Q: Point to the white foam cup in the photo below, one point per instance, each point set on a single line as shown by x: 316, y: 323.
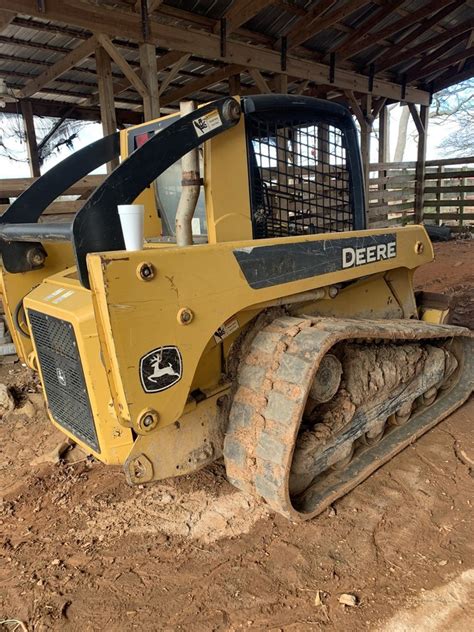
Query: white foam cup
x: 131, y: 219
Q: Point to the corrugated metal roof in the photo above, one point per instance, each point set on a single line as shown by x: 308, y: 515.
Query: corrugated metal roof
x: 29, y: 45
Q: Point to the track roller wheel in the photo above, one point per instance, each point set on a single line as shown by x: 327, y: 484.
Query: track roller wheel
x: 302, y: 463
x: 402, y: 415
x: 429, y: 396
x: 345, y: 460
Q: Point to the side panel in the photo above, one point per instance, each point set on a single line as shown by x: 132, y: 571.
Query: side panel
x: 65, y: 340
x: 141, y: 320
x: 226, y: 186
x: 15, y: 287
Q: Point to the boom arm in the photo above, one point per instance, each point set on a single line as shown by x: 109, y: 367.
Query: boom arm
x: 96, y: 227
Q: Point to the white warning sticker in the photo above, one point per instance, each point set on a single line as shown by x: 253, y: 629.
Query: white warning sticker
x: 226, y: 329
x: 206, y: 123
x: 53, y: 294
x: 63, y: 297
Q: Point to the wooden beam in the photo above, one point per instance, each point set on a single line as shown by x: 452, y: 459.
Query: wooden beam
x: 151, y: 102
x: 31, y: 143
x: 234, y: 85
x: 396, y: 57
x: 260, y: 81
x: 421, y: 164
x: 6, y: 18
x: 200, y: 84
x: 151, y: 6
x: 407, y: 22
x: 426, y: 70
x: 106, y: 94
x: 302, y: 87
x: 316, y: 22
x: 122, y: 24
x: 163, y: 62
x: 240, y: 12
x: 378, y: 107
x: 375, y: 17
x: 384, y: 135
x: 174, y: 71
x: 423, y: 27
x: 123, y: 64
x: 43, y: 107
x: 281, y: 83
x: 356, y: 109
x: 450, y: 77
x: 365, y: 137
x: 416, y: 118
x: 470, y: 42
x: 63, y: 65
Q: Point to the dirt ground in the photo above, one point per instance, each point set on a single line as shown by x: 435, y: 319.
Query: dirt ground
x: 82, y: 551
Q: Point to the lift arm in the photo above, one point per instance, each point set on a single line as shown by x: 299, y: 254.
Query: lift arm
x: 96, y: 227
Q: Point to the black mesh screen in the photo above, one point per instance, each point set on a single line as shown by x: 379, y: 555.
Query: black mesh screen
x: 299, y: 178
x: 63, y: 376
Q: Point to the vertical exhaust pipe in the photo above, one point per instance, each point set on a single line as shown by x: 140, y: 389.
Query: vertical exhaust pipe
x: 191, y: 187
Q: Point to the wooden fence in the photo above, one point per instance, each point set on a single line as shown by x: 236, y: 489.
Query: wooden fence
x: 448, y: 193
x: 62, y: 209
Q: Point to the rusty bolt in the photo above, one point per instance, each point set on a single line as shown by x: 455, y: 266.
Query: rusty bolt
x: 146, y: 271
x: 185, y: 316
x: 148, y: 420
x: 231, y: 110
x: 36, y: 257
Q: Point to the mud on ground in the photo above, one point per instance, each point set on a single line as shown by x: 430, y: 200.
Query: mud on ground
x: 80, y: 551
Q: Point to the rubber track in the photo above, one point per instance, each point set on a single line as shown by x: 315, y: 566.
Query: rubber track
x: 273, y: 380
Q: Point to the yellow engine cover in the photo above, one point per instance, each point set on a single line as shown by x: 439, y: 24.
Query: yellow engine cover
x: 68, y: 356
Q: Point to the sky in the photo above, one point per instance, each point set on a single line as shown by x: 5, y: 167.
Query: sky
x: 93, y: 131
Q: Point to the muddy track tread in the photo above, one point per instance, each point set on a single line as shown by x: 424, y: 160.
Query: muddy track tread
x: 273, y: 380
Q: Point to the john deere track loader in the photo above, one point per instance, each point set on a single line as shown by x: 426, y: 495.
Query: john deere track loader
x: 261, y: 321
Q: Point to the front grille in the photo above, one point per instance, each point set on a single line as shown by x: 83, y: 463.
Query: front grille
x: 63, y: 376
x: 300, y: 179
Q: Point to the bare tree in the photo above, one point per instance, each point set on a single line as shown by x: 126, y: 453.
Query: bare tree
x: 454, y: 106
x: 52, y: 135
x: 402, y: 135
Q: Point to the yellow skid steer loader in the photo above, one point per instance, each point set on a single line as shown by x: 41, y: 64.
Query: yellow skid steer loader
x: 261, y: 321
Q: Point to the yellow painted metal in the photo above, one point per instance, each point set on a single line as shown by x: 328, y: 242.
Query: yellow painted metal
x: 122, y: 318
x: 435, y: 316
x: 62, y: 296
x: 208, y: 280
x: 226, y: 185
x: 14, y: 288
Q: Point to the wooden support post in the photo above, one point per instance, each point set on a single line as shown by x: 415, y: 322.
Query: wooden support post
x: 384, y: 135
x: 365, y: 132
x: 384, y: 138
x: 281, y: 84
x: 260, y: 81
x: 151, y: 103
x: 31, y: 143
x: 106, y: 96
x: 438, y: 194
x: 234, y: 85
x: 422, y: 125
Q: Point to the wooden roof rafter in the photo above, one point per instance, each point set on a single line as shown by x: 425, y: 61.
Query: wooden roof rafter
x: 122, y: 24
x: 387, y: 56
x: 320, y: 18
x: 240, y: 12
x: 375, y: 17
x: 406, y: 22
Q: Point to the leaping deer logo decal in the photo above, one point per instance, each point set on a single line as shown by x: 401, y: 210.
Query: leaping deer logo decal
x: 160, y: 369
